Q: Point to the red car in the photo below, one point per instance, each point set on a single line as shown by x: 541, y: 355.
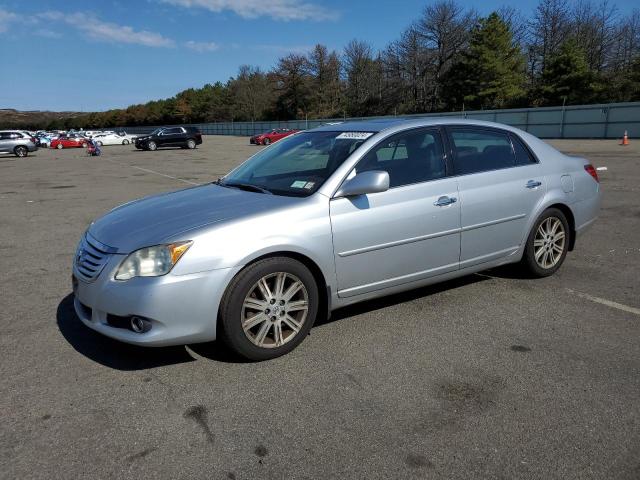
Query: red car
x: 69, y: 141
x: 272, y: 136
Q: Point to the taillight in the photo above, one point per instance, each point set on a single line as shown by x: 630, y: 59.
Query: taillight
x: 592, y: 171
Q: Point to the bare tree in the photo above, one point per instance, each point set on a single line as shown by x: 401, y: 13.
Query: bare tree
x: 444, y: 27
x: 324, y: 68
x: 252, y: 91
x: 626, y: 44
x: 548, y: 29
x: 293, y: 86
x: 361, y: 74
x: 594, y: 27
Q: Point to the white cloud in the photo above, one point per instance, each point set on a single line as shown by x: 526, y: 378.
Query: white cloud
x: 201, y: 46
x: 109, y: 32
x: 285, y: 10
x: 6, y: 18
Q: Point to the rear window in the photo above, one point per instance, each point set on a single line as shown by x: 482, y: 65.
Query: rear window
x: 523, y: 155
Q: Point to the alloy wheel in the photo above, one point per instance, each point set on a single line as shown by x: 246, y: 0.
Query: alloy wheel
x: 274, y: 310
x: 549, y: 242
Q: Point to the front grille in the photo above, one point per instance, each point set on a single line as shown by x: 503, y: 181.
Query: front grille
x: 91, y: 257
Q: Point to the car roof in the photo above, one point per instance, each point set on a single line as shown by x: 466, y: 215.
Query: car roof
x: 380, y: 124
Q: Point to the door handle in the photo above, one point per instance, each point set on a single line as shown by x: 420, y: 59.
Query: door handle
x: 444, y: 201
x: 533, y: 184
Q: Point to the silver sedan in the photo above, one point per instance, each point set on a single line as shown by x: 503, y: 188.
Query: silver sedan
x: 326, y: 218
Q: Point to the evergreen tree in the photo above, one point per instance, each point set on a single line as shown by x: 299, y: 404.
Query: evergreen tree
x: 567, y: 78
x: 491, y: 73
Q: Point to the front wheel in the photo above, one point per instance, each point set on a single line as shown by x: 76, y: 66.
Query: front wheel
x: 21, y: 151
x: 59, y: 146
x: 99, y: 143
x: 269, y: 308
x: 152, y: 146
x: 125, y: 142
x: 266, y: 141
x: 547, y: 244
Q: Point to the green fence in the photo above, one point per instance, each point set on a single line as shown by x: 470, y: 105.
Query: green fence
x: 581, y: 121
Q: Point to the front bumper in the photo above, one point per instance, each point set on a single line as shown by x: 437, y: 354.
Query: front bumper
x: 182, y: 309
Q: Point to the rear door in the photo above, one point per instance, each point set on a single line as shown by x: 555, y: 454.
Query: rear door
x: 403, y: 235
x: 500, y: 183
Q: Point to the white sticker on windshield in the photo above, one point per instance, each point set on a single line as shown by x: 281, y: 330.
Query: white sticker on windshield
x: 354, y: 135
x: 299, y: 184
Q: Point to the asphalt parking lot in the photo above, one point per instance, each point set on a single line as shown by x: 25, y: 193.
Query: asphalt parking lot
x: 489, y: 376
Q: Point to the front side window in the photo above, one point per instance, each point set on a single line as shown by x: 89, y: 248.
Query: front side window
x: 480, y: 150
x: 409, y: 157
x: 296, y: 165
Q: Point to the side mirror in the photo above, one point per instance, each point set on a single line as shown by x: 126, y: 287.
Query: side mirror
x: 374, y: 181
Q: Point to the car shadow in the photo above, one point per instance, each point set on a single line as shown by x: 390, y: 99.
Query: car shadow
x: 109, y: 352
x: 121, y: 356
x: 398, y: 298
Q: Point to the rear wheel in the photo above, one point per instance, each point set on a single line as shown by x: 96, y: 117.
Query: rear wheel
x: 21, y: 151
x: 547, y: 244
x: 269, y: 308
x: 125, y: 142
x: 266, y: 141
x: 191, y: 144
x: 152, y: 146
x: 99, y: 143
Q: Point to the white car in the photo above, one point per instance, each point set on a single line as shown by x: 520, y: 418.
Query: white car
x: 114, y: 138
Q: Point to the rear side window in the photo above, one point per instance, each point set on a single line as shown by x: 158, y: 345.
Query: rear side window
x: 523, y: 155
x: 4, y: 135
x: 480, y: 151
x: 409, y: 157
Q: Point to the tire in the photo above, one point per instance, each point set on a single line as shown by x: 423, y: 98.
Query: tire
x: 191, y: 144
x: 125, y: 142
x: 277, y: 330
x: 59, y: 146
x: 152, y: 146
x: 21, y: 151
x: 99, y: 143
x: 84, y: 145
x: 547, y: 244
x: 266, y: 141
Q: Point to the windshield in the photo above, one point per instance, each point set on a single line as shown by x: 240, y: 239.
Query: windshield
x: 297, y: 165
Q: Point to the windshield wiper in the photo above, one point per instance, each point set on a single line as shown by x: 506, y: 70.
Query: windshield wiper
x: 245, y: 186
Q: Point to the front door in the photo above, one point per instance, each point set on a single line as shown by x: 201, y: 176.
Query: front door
x: 408, y: 233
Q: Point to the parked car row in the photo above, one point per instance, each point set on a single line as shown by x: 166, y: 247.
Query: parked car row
x: 21, y: 143
x: 73, y: 139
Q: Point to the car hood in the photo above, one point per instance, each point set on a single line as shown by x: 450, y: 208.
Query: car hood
x: 160, y: 218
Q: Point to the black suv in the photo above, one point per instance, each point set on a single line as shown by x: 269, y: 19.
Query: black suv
x: 183, y: 137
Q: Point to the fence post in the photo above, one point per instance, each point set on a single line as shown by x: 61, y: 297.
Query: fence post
x: 606, y: 122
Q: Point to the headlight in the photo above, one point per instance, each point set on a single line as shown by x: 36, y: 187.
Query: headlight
x: 152, y: 261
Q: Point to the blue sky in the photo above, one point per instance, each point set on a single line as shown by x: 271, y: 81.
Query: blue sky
x: 93, y: 55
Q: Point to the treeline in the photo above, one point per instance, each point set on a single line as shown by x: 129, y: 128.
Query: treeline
x: 450, y: 58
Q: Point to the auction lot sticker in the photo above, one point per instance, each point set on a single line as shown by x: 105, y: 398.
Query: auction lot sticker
x: 354, y: 135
